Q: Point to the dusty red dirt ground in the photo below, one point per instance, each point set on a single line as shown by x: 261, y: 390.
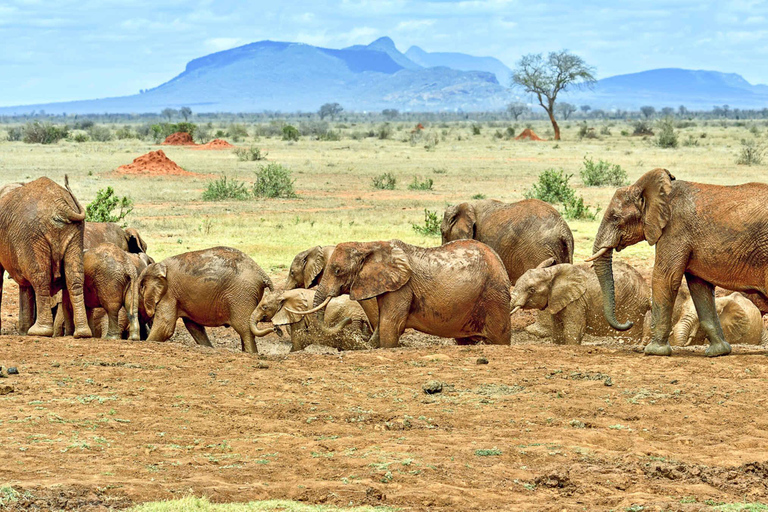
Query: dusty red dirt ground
x: 95, y: 423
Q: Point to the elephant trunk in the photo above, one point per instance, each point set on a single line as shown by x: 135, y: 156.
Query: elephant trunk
x: 683, y: 332
x: 255, y: 318
x: 604, y: 269
x: 320, y: 297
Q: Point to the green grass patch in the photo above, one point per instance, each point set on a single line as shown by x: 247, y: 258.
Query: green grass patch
x: 488, y: 452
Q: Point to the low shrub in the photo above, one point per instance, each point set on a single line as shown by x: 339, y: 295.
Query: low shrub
x: 161, y: 131
x: 752, y: 152
x: 15, y: 133
x: 667, y: 137
x: 223, y: 189
x: 585, y: 132
x: 642, y: 127
x: 80, y: 137
x: 102, y: 208
x: 431, y: 226
x: 478, y: 196
x: 100, y: 133
x: 575, y: 209
x: 251, y: 154
x: 237, y: 132
x: 602, y: 173
x: 44, y: 133
x: 691, y: 141
x: 273, y: 180
x: 476, y: 129
x: 552, y: 187
x: 290, y: 133
x: 385, y: 131
x: 384, y: 181
x: 125, y: 132
x: 418, y: 184
x: 510, y: 132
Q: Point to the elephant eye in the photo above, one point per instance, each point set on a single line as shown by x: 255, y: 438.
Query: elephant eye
x: 337, y: 271
x: 531, y: 289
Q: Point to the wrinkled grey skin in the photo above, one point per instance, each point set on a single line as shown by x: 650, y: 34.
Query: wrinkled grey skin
x: 572, y: 295
x: 307, y: 329
x: 741, y: 320
x: 127, y: 239
x: 220, y: 286
x: 41, y: 247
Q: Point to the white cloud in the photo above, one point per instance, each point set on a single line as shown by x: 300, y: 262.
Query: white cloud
x: 218, y: 44
x: 409, y: 25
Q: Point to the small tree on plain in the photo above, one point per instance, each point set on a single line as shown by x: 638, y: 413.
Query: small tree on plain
x: 169, y: 113
x: 185, y: 113
x: 667, y: 111
x: 585, y: 108
x: 566, y: 109
x: 682, y: 110
x: 390, y: 113
x: 516, y: 109
x: 546, y: 78
x: 648, y: 111
x: 330, y: 110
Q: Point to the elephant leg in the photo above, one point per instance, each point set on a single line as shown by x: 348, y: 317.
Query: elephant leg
x: 393, y: 314
x: 75, y: 277
x: 113, y: 329
x: 26, y: 309
x: 542, y: 327
x: 2, y: 278
x: 91, y: 324
x: 498, y: 326
x: 666, y: 283
x: 65, y: 307
x: 41, y: 283
x: 558, y: 330
x: 703, y: 296
x: 371, y: 310
x: 247, y: 339
x: 163, y: 322
x: 198, y: 332
x: 574, y: 323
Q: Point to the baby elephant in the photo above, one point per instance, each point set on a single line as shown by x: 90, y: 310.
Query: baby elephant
x: 741, y: 320
x: 571, y: 293
x: 212, y: 287
x: 277, y: 307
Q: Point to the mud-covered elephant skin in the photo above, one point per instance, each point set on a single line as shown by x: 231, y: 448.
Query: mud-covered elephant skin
x: 572, y: 295
x: 713, y: 235
x: 523, y: 234
x: 213, y: 287
x: 41, y: 248
x: 307, y: 270
x: 127, y: 239
x: 345, y: 324
x: 459, y: 290
x: 740, y: 319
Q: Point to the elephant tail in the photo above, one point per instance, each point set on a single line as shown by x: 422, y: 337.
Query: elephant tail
x: 79, y: 215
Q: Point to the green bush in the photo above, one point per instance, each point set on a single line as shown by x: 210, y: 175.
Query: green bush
x: 602, y: 173
x: 125, y: 132
x: 290, y: 133
x: 44, y: 133
x: 552, y: 187
x: 102, y: 208
x: 476, y: 129
x: 237, y: 131
x: 478, y: 196
x: 250, y: 154
x: 585, y: 132
x: 642, y: 127
x: 417, y: 184
x: 576, y: 209
x: 752, y: 152
x: 385, y: 131
x: 273, y: 180
x: 510, y: 132
x: 15, y: 133
x: 667, y: 137
x: 384, y: 181
x: 223, y: 189
x: 431, y: 226
x: 80, y: 137
x: 100, y: 133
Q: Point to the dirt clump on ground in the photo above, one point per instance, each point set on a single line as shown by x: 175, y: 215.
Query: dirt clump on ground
x: 528, y: 134
x: 179, y: 139
x: 154, y: 163
x: 215, y: 144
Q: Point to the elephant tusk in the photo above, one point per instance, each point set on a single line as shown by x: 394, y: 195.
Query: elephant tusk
x: 598, y: 254
x: 515, y: 310
x: 310, y: 311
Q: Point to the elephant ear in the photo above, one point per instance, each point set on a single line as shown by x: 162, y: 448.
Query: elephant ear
x: 546, y: 263
x: 461, y: 221
x: 733, y: 317
x: 314, y: 265
x: 296, y: 300
x: 568, y: 285
x: 655, y: 186
x: 384, y: 269
x: 136, y: 244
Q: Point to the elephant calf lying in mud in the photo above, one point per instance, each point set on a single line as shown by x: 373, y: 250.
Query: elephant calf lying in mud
x: 741, y: 320
x: 571, y: 293
x: 345, y: 326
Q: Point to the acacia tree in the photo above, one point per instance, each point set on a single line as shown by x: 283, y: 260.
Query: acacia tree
x: 330, y: 110
x: 185, y: 113
x: 566, y: 109
x: 169, y: 113
x: 517, y: 109
x: 546, y: 78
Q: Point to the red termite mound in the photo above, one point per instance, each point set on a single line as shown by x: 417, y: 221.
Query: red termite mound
x: 154, y: 163
x: 528, y: 134
x: 215, y: 144
x: 179, y: 139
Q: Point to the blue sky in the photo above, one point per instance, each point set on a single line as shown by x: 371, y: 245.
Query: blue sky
x: 66, y: 49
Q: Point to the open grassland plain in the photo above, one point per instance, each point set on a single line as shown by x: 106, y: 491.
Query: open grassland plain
x: 94, y: 424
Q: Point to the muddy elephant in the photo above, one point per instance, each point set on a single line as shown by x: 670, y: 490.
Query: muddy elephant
x: 740, y: 319
x: 713, y: 235
x: 278, y: 308
x: 523, y: 234
x: 207, y: 288
x: 41, y: 247
x: 572, y: 295
x: 307, y: 270
x: 459, y: 290
x: 127, y: 239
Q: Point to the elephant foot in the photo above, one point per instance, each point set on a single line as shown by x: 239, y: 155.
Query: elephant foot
x: 40, y: 330
x: 655, y: 348
x: 112, y: 336
x: 83, y: 332
x: 134, y: 337
x: 718, y: 348
x: 538, y: 330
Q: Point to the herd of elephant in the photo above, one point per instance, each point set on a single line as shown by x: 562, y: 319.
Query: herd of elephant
x: 496, y: 258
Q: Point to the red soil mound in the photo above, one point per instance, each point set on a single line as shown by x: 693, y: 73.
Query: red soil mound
x: 528, y: 134
x: 179, y: 139
x: 215, y: 144
x: 154, y: 163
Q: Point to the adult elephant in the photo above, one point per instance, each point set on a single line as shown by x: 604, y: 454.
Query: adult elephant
x: 572, y: 295
x: 127, y: 239
x: 208, y: 288
x: 741, y: 320
x: 523, y: 234
x: 41, y: 247
x: 713, y: 235
x: 459, y: 290
x: 307, y: 270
